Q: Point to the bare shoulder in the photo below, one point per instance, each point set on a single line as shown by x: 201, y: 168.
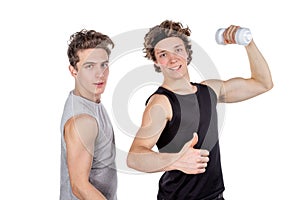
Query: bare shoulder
x: 214, y: 84
x: 158, y: 99
x: 160, y: 103
x: 79, y: 121
x: 81, y: 130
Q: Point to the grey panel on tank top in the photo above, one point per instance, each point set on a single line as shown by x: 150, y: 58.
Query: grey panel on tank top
x: 189, y: 122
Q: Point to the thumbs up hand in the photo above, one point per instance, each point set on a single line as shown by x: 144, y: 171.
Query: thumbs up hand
x: 193, y: 141
x: 192, y: 161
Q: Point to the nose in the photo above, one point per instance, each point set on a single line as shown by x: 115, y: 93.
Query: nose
x: 173, y: 57
x: 100, y: 70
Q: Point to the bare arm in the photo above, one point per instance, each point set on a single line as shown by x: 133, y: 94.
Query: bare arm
x: 80, y: 134
x: 141, y: 156
x: 239, y: 89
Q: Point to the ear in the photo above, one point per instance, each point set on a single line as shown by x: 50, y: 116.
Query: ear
x: 73, y: 71
x: 157, y: 67
x: 156, y: 64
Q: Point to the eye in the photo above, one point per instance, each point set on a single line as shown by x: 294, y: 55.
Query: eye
x: 104, y: 65
x: 89, y: 66
x: 178, y: 50
x: 162, y: 55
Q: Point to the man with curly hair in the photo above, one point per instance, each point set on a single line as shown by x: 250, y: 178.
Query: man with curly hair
x: 180, y: 118
x: 88, y: 169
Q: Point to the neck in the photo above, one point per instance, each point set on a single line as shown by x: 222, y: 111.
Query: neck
x: 94, y: 98
x: 180, y: 86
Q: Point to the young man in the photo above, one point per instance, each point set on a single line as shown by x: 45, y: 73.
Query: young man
x: 181, y: 117
x: 87, y: 138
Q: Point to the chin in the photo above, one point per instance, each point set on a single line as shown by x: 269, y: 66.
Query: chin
x: 178, y: 76
x: 99, y: 91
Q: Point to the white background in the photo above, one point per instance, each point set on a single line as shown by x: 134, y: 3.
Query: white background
x: 259, y: 138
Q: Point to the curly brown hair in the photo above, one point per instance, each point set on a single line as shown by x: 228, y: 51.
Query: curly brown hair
x: 166, y: 29
x: 87, y: 39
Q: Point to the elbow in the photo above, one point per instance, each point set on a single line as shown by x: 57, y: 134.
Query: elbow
x: 130, y: 161
x: 76, y: 189
x: 264, y: 85
x: 268, y: 86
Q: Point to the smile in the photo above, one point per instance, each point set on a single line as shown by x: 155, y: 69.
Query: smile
x: 175, y: 68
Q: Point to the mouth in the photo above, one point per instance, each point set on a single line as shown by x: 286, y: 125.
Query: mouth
x: 175, y: 68
x: 99, y: 84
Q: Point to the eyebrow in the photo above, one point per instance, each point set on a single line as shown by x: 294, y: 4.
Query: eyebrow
x: 89, y: 63
x: 179, y: 45
x: 162, y: 51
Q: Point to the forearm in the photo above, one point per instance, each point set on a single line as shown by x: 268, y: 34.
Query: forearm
x: 259, y: 67
x: 146, y: 160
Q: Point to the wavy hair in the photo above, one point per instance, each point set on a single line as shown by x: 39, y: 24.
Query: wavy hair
x: 166, y: 29
x: 87, y: 39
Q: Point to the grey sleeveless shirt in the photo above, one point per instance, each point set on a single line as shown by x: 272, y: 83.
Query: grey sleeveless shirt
x: 103, y: 173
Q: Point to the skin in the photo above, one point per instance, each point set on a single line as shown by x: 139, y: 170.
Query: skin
x: 81, y: 131
x: 171, y: 57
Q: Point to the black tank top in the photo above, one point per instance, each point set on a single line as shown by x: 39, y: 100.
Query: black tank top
x: 191, y: 113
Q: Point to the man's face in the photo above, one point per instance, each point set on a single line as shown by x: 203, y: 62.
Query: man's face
x: 92, y: 73
x: 171, y: 57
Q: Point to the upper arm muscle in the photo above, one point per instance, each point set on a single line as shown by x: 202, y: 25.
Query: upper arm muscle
x: 154, y: 120
x: 80, y: 134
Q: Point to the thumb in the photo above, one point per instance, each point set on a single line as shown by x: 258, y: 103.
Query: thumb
x: 194, y: 140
